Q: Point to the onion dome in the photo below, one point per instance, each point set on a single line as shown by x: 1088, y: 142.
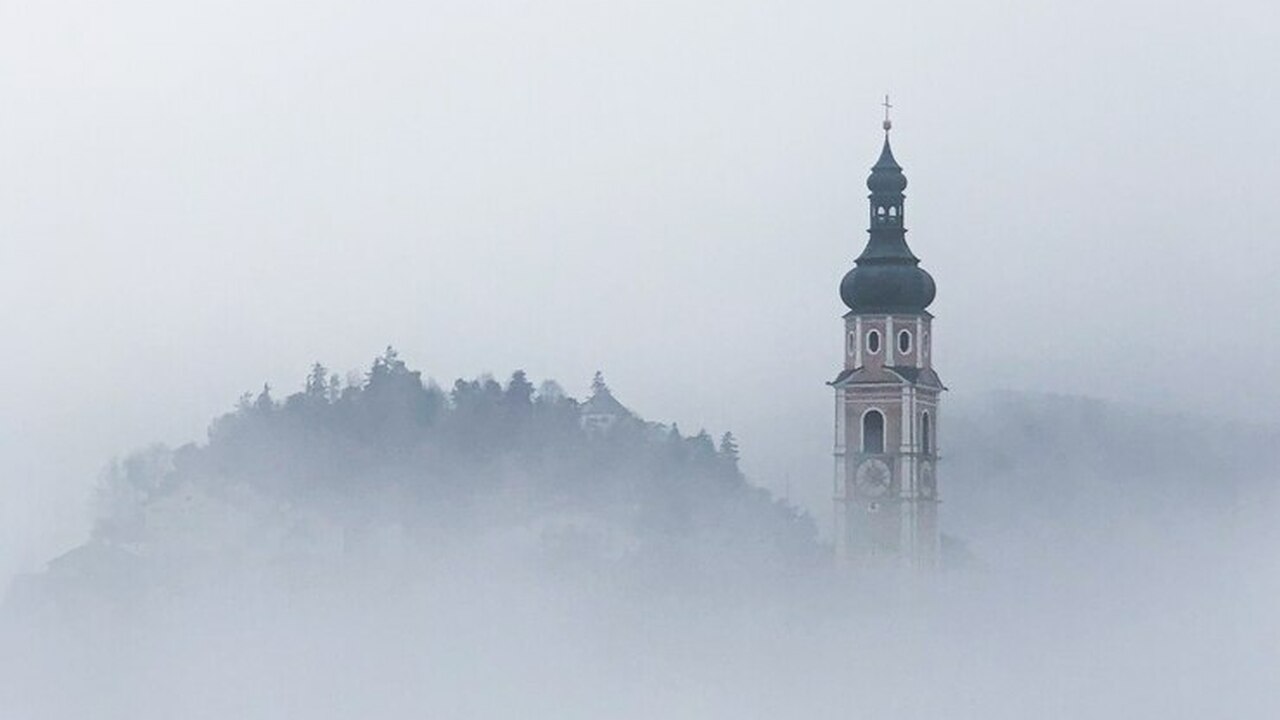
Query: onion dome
x: 886, y: 175
x: 887, y: 277
x: 887, y: 289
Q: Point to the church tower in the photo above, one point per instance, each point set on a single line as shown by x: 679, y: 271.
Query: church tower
x: 886, y: 450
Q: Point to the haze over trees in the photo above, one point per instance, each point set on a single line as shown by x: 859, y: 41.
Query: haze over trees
x: 390, y: 464
x: 338, y: 466
x: 389, y: 547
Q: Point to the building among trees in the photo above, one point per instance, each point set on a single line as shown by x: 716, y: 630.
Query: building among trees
x: 602, y: 410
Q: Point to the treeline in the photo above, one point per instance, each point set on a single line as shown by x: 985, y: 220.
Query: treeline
x: 393, y: 449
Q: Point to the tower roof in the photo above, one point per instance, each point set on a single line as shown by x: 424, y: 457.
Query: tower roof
x: 886, y: 175
x: 602, y: 402
x: 887, y: 277
x: 886, y: 160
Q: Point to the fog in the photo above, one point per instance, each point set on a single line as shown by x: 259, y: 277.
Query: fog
x: 390, y: 549
x: 196, y: 199
x: 1114, y: 637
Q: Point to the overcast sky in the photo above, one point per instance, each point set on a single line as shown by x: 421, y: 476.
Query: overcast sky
x: 196, y: 198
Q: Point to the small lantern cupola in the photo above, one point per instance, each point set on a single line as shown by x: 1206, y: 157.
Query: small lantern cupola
x: 886, y: 184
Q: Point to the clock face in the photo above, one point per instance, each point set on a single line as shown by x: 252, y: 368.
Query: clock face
x: 928, y: 483
x: 872, y: 478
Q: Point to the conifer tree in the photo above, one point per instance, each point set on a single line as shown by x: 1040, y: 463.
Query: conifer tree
x: 317, y: 382
x: 729, y: 448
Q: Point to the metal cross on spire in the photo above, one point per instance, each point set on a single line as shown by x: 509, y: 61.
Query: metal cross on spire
x: 888, y: 124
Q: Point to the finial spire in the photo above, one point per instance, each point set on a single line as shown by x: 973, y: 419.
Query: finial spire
x: 888, y: 124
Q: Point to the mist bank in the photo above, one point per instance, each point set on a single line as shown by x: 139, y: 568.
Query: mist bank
x: 384, y: 547
x: 1182, y: 626
x: 1030, y: 473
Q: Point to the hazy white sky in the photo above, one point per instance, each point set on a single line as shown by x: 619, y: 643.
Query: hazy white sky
x: 199, y: 197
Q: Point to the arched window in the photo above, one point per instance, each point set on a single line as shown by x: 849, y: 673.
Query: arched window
x: 926, y: 439
x: 873, y: 432
x: 893, y: 211
x: 852, y: 344
x: 873, y: 342
x: 904, y: 342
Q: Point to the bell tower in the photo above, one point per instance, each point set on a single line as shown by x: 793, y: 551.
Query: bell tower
x: 886, y: 419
